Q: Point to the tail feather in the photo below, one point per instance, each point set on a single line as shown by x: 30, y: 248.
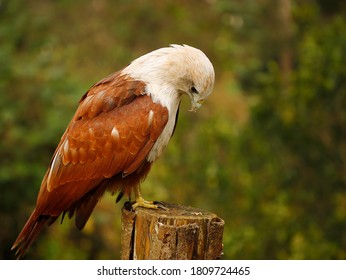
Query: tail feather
x: 86, y: 205
x: 82, y: 208
x: 29, y: 233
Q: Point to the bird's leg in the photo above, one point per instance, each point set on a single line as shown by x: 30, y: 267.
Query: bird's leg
x: 140, y: 201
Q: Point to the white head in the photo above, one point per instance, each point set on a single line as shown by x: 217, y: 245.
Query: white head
x: 174, y: 71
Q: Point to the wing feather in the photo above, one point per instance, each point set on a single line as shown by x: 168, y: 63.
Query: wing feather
x: 109, y: 134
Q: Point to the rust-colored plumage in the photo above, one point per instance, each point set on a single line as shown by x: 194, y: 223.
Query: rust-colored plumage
x: 121, y: 126
x: 104, y: 147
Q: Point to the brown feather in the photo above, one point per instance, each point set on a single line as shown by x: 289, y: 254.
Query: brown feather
x: 108, y: 137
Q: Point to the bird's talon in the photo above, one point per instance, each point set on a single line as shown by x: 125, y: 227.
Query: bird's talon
x: 160, y: 205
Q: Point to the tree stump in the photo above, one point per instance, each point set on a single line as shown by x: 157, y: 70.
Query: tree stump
x: 175, y: 233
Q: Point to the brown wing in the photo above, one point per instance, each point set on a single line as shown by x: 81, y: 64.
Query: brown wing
x: 113, y: 130
x: 112, y: 142
x: 111, y: 133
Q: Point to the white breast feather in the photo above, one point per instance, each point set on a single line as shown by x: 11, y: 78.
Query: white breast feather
x: 171, y: 100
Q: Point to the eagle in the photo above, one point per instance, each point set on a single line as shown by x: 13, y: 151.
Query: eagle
x: 121, y: 126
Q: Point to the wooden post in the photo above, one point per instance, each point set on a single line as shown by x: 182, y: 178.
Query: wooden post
x: 178, y: 233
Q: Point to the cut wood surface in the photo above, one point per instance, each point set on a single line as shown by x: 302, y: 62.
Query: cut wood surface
x: 175, y: 233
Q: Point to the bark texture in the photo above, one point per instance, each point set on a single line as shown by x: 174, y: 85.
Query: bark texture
x: 177, y: 233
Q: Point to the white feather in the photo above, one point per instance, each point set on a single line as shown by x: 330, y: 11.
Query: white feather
x: 150, y: 117
x: 115, y: 133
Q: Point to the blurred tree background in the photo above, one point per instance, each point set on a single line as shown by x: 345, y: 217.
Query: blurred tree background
x: 267, y: 152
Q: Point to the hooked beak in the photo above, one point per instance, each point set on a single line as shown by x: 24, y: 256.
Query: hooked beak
x: 196, y: 104
x: 197, y: 100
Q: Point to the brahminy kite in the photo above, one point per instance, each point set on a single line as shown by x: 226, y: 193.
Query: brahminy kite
x: 120, y: 128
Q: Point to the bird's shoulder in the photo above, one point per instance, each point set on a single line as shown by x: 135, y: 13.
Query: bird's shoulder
x: 115, y: 90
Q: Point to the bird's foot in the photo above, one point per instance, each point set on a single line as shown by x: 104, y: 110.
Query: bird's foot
x: 141, y: 202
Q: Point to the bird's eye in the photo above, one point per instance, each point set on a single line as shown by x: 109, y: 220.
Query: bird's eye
x: 193, y: 90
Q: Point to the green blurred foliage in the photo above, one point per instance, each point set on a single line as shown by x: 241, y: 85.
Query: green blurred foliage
x: 267, y: 153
